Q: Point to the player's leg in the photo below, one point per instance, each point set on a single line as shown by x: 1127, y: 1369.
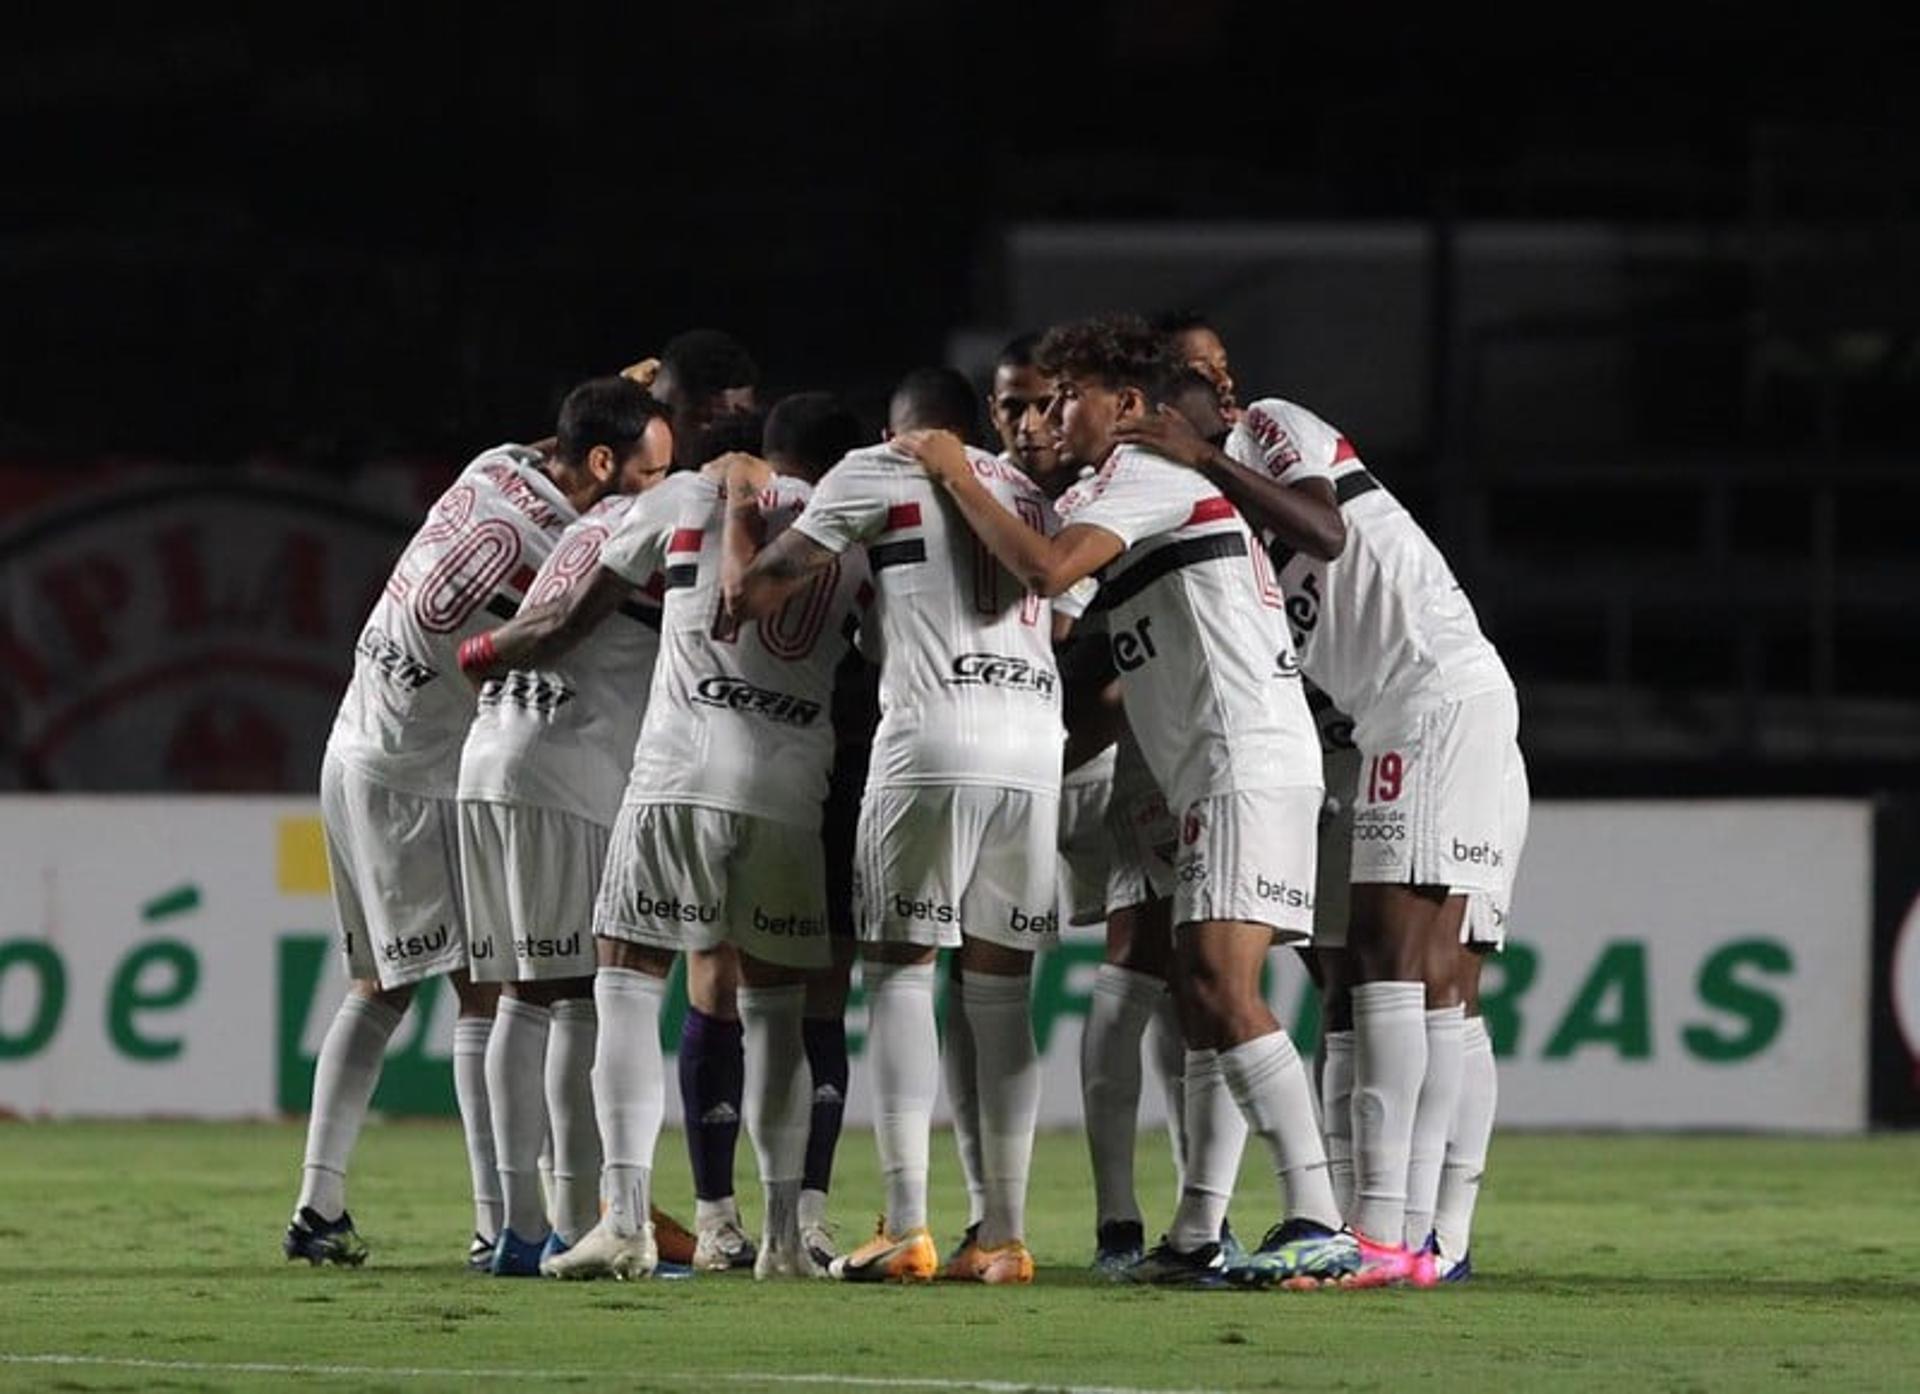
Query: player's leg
x: 1127, y: 992
x: 712, y: 1080
x: 1006, y: 1083
x: 777, y: 920
x: 472, y: 1028
x: 961, y: 1066
x: 1247, y: 866
x: 516, y: 1067
x: 1336, y: 1073
x: 1485, y: 932
x: 824, y: 1034
x: 637, y: 931
x: 908, y: 907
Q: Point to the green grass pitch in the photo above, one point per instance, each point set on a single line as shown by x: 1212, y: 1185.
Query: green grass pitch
x: 146, y: 1256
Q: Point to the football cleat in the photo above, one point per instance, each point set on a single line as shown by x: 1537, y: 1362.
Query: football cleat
x: 1424, y: 1271
x: 1458, y: 1270
x: 722, y: 1245
x: 554, y: 1247
x: 1117, y: 1246
x: 1380, y: 1265
x: 818, y: 1245
x: 780, y: 1260
x: 1231, y: 1249
x: 1010, y: 1262
x: 321, y: 1241
x: 602, y: 1253
x: 904, y: 1258
x: 480, y: 1254
x: 514, y: 1257
x: 673, y: 1239
x: 969, y: 1237
x: 1166, y: 1266
x: 1296, y: 1254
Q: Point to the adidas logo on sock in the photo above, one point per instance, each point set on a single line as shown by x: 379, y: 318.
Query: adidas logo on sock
x: 827, y: 1094
x: 721, y: 1113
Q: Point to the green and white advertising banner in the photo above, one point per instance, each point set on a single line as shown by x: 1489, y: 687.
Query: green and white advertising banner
x: 1675, y: 965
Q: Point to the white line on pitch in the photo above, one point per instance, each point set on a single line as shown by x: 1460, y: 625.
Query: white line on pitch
x: 259, y: 1367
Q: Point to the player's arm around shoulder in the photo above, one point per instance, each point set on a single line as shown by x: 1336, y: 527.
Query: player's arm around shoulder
x: 1044, y: 565
x: 757, y: 576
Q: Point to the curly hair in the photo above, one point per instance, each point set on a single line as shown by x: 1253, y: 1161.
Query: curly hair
x: 1116, y: 351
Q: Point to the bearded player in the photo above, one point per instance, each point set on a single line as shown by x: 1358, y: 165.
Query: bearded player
x: 391, y: 773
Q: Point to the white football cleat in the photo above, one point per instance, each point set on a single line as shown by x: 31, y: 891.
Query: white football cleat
x: 602, y: 1253
x: 781, y: 1257
x: 722, y: 1244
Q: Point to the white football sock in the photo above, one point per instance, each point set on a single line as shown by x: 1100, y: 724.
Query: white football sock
x: 1467, y: 1147
x: 1216, y: 1136
x: 905, y: 1048
x: 343, y: 1081
x: 1123, y: 1003
x: 1270, y: 1085
x: 470, y: 1035
x: 1336, y: 1116
x: 1170, y: 1060
x: 963, y: 1098
x: 629, y: 1089
x: 575, y: 1132
x: 1433, y: 1118
x: 777, y: 1105
x: 1007, y: 1075
x: 1390, y: 1060
x: 516, y: 1096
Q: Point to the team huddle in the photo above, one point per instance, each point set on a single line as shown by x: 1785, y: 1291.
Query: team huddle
x: 687, y: 679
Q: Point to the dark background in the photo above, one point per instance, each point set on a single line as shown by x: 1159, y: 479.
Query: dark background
x: 401, y: 232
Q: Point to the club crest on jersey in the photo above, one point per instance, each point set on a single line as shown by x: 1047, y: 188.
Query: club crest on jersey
x: 1000, y: 670
x: 737, y: 694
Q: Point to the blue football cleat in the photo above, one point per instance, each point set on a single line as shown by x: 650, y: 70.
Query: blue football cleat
x: 514, y: 1257
x: 1297, y: 1254
x: 1117, y: 1247
x: 321, y: 1241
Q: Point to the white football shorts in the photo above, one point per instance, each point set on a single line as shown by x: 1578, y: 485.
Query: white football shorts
x: 935, y: 860
x: 1487, y: 911
x: 1086, y: 852
x: 1144, y: 838
x: 395, y: 864
x: 1431, y: 806
x: 680, y: 876
x: 528, y: 877
x: 1250, y: 856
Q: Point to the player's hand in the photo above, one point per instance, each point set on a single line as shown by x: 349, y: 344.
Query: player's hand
x: 940, y: 453
x: 643, y: 372
x: 1166, y: 432
x: 743, y: 476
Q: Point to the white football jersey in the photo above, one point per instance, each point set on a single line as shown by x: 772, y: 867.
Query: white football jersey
x: 1385, y: 629
x: 1211, y: 684
x: 740, y: 716
x: 407, y: 707
x: 562, y: 737
x: 968, y: 689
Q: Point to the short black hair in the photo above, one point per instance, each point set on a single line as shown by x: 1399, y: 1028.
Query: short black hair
x: 1117, y: 351
x: 604, y: 411
x: 1184, y: 321
x: 813, y: 429
x: 726, y: 433
x: 1019, y: 352
x: 934, y: 399
x: 703, y: 362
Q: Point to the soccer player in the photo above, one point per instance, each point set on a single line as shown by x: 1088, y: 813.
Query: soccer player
x: 540, y: 781
x: 957, y: 830
x: 717, y: 841
x: 391, y: 772
x: 1130, y: 990
x: 1439, y: 819
x: 701, y: 376
x: 1212, y: 694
